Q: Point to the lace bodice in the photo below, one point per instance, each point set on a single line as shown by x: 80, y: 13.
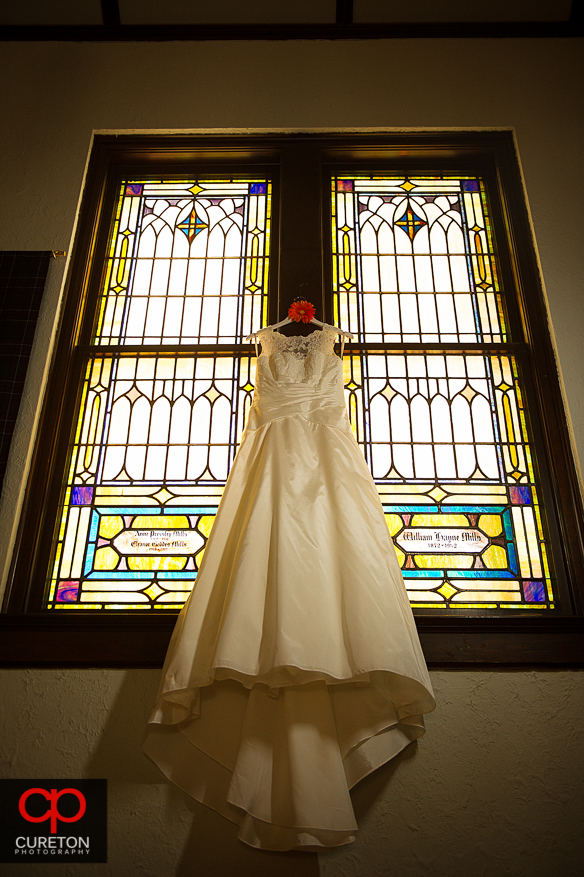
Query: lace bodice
x: 299, y: 375
x: 298, y: 345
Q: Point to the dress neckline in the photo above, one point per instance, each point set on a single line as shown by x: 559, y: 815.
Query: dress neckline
x: 302, y: 342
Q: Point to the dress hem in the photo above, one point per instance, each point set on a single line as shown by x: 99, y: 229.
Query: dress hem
x: 316, y: 738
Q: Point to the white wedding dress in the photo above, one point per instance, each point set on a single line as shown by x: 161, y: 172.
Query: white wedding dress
x: 295, y: 668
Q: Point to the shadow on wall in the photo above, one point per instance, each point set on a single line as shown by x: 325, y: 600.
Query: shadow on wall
x: 212, y: 845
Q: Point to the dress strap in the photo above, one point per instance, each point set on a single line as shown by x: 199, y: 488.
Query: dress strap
x: 254, y: 335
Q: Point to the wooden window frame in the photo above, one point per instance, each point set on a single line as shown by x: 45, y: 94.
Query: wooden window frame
x: 301, y: 166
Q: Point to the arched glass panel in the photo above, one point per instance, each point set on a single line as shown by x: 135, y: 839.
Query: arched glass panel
x: 157, y: 429
x: 443, y: 426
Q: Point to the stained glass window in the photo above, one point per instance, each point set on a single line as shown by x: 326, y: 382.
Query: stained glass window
x: 435, y: 391
x: 435, y: 395
x: 452, y: 385
x: 165, y: 391
x: 186, y: 263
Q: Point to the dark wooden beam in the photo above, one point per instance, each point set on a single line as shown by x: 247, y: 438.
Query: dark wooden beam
x: 204, y: 32
x: 126, y: 641
x: 577, y: 14
x: 344, y: 12
x: 110, y: 12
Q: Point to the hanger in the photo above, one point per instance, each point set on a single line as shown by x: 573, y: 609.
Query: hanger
x: 300, y: 299
x: 344, y: 335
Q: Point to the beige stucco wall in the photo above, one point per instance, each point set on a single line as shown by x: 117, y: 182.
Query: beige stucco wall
x: 494, y: 787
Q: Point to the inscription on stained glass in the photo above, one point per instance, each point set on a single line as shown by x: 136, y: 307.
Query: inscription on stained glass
x: 445, y: 433
x: 156, y: 432
x: 428, y: 540
x: 156, y: 542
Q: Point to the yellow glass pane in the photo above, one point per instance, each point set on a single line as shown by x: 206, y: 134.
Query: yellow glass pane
x: 401, y: 558
x: 69, y: 544
x: 439, y: 521
x: 444, y: 561
x: 532, y: 541
x: 447, y: 590
x: 157, y: 563
x: 495, y: 557
x: 153, y: 591
x: 492, y: 525
x: 106, y: 558
x: 112, y: 585
x: 522, y: 550
x: 476, y: 596
x: 110, y: 526
x: 162, y: 522
x: 80, y: 543
x: 125, y: 597
x: 394, y: 523
x: 426, y: 595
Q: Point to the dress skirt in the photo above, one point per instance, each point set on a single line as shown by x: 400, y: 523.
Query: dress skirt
x: 295, y: 667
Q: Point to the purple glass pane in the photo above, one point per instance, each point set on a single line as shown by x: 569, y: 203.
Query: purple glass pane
x: 470, y: 186
x: 257, y: 189
x: 134, y: 189
x: 344, y: 185
x: 81, y: 495
x: 67, y: 592
x: 534, y: 592
x: 520, y: 494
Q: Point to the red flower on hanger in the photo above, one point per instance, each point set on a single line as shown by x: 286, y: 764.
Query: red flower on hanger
x: 301, y: 311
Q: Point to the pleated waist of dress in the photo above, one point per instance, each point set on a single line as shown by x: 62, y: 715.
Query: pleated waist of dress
x: 322, y: 401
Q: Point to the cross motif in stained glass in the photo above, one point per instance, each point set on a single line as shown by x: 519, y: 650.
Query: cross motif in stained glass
x: 443, y: 426
x: 192, y: 226
x: 410, y: 222
x: 157, y: 432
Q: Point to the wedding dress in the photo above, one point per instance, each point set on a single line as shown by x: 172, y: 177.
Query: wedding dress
x: 295, y: 668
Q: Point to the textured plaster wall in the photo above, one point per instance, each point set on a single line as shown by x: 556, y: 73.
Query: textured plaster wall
x: 89, y: 723
x: 494, y: 788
